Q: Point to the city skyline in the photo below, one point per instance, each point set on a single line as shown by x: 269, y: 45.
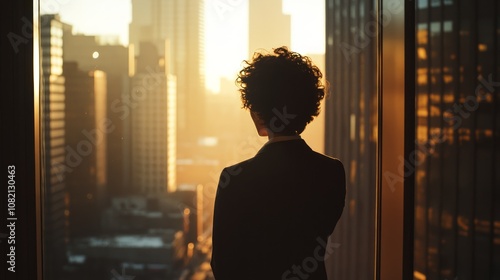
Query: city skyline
x: 123, y: 197
x: 225, y: 21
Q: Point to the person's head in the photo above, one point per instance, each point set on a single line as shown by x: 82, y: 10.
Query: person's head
x: 282, y: 90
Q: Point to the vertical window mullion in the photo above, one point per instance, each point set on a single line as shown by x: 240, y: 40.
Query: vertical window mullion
x: 427, y: 165
x: 495, y: 143
x: 474, y: 33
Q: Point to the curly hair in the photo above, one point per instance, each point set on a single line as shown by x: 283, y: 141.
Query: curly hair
x: 283, y: 88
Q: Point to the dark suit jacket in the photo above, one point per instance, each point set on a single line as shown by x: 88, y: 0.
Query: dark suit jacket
x: 274, y: 212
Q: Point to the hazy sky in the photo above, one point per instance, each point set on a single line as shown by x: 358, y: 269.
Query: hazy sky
x: 226, y: 27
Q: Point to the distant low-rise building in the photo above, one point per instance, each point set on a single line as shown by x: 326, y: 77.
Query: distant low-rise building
x: 161, y: 252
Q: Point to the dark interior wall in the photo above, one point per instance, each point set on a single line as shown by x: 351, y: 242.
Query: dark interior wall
x: 17, y: 140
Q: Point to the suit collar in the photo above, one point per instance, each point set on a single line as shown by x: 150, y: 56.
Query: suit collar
x: 283, y: 138
x: 293, y: 144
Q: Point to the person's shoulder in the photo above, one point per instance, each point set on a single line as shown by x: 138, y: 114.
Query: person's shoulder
x: 331, y: 166
x: 234, y: 171
x: 239, y: 165
x: 233, y: 180
x: 327, y: 159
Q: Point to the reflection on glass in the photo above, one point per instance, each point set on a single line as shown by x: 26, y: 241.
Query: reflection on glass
x: 351, y: 131
x: 457, y: 176
x: 139, y: 116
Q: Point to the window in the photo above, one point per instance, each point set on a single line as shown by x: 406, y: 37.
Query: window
x: 143, y: 85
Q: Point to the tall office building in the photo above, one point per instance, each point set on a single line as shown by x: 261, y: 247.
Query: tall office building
x: 113, y: 61
x: 268, y: 27
x: 456, y: 157
x: 457, y: 217
x: 171, y: 132
x: 86, y: 139
x: 53, y: 127
x: 180, y: 23
x: 149, y: 123
x: 351, y: 132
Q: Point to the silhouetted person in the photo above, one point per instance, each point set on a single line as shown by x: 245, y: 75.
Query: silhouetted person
x: 274, y: 212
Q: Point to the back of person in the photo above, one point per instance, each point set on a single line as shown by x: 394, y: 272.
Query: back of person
x: 274, y: 212
x: 285, y: 202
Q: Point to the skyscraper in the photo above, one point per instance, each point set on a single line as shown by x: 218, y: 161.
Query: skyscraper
x: 113, y: 61
x: 149, y: 123
x: 180, y: 23
x: 457, y: 176
x: 86, y: 139
x: 55, y: 207
x: 171, y: 132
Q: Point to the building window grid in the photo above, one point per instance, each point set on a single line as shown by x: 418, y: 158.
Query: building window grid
x: 457, y: 247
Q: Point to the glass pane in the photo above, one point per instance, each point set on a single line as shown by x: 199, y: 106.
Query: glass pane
x: 456, y: 225
x: 352, y: 130
x: 140, y: 114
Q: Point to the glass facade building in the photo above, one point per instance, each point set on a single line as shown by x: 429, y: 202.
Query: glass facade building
x: 457, y: 220
x: 55, y: 215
